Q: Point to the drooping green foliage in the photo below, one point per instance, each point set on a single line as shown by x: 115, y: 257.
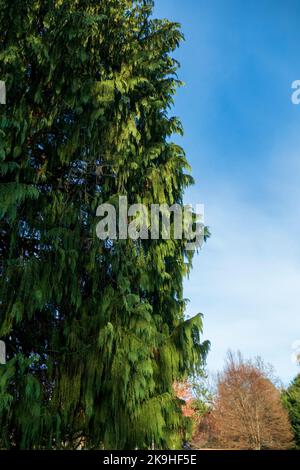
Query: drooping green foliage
x: 291, y: 401
x: 95, y: 331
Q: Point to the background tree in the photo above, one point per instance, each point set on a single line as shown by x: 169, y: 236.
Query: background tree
x: 203, y: 391
x: 291, y: 401
x: 95, y: 331
x: 248, y: 413
x: 196, y: 397
x: 183, y: 391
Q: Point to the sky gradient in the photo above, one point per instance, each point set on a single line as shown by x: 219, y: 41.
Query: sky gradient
x: 242, y: 138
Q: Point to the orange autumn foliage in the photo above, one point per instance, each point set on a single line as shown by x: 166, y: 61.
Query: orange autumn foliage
x: 183, y: 391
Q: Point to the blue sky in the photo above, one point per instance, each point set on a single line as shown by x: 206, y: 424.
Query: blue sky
x: 242, y: 138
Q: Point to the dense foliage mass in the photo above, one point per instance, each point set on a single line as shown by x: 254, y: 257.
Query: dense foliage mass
x: 291, y: 401
x: 95, y: 331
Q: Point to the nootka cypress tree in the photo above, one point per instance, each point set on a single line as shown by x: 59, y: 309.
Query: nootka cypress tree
x: 95, y: 331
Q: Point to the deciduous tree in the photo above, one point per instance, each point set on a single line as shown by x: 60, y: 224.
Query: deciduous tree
x: 291, y: 401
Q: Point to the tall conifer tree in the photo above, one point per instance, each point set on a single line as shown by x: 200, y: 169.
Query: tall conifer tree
x: 95, y: 331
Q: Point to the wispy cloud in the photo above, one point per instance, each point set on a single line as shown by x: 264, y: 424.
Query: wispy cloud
x: 243, y: 141
x: 247, y: 278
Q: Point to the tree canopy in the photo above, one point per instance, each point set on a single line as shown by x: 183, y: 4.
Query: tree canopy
x: 291, y: 401
x: 95, y: 331
x: 248, y: 413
